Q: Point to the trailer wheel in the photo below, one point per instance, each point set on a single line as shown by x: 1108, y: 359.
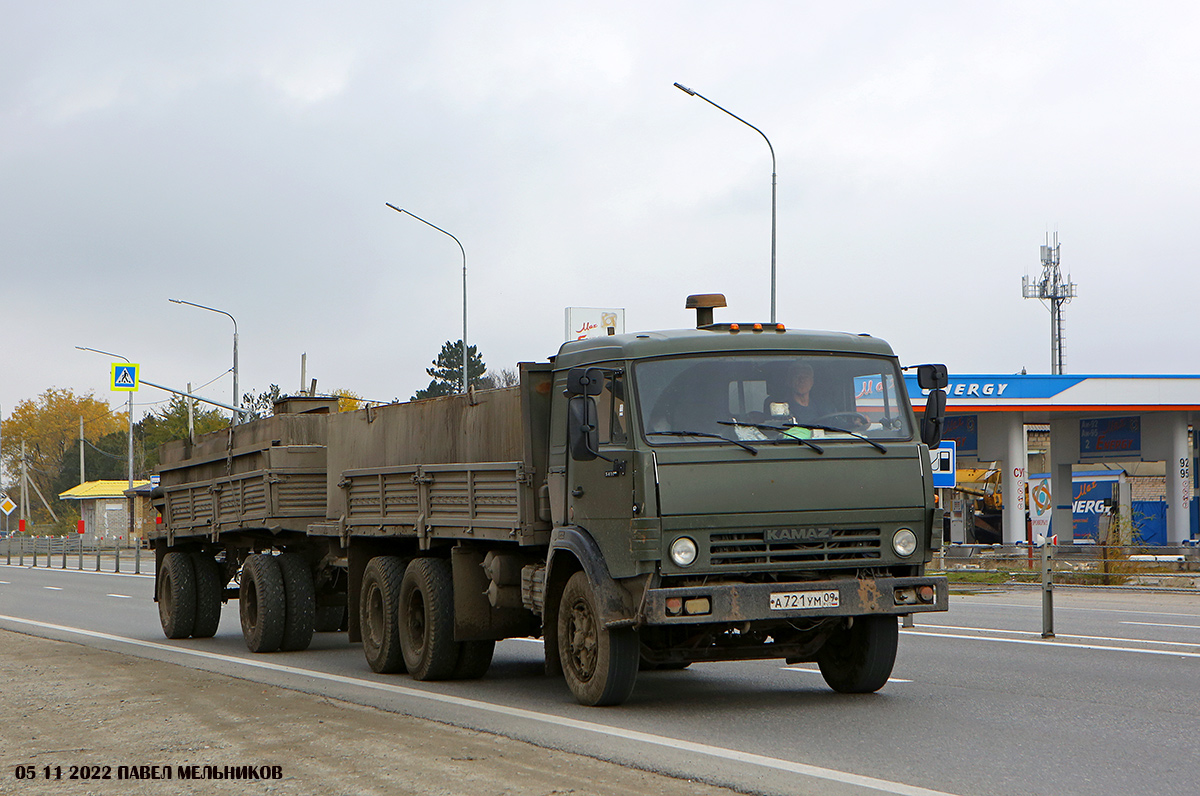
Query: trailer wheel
x: 330, y: 618
x: 474, y: 659
x: 859, y: 659
x: 177, y: 595
x: 427, y: 620
x: 208, y: 595
x: 600, y: 665
x: 380, y: 614
x: 261, y: 603
x: 301, y: 602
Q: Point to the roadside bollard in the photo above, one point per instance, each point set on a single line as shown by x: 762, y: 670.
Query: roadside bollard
x: 137, y: 558
x: 1047, y: 590
x: 8, y: 547
x: 99, y: 549
x: 117, y: 556
x: 81, y: 554
x: 21, y: 550
x: 64, y: 566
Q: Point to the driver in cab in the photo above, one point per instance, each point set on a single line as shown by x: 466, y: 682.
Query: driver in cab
x: 797, y: 403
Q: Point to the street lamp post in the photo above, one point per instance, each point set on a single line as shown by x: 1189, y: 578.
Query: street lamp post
x: 687, y: 90
x: 237, y: 415
x: 466, y: 378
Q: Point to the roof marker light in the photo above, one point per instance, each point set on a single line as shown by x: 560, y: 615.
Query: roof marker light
x: 758, y: 327
x: 733, y: 327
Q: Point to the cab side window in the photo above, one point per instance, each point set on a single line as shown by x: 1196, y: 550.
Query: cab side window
x: 610, y: 408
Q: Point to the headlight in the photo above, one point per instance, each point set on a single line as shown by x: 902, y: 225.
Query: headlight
x: 683, y: 551
x: 904, y: 542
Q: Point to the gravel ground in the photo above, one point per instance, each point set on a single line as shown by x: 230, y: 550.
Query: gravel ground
x: 65, y: 705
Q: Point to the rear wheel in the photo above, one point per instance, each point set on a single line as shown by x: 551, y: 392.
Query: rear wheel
x: 427, y: 620
x: 858, y: 659
x: 177, y: 595
x: 208, y: 595
x: 600, y: 665
x: 301, y: 602
x: 261, y: 603
x: 379, y: 614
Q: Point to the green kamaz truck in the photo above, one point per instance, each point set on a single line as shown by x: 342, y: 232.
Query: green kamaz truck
x: 641, y: 501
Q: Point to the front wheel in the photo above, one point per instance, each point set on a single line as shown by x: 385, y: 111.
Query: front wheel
x: 858, y: 659
x: 600, y: 665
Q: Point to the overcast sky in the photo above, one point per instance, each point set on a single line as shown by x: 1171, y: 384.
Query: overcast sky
x: 240, y: 155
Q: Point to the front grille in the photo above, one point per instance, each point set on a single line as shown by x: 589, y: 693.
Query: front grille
x: 845, y: 545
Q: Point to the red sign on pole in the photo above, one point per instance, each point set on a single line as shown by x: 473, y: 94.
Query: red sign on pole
x: 21, y: 526
x: 80, y: 526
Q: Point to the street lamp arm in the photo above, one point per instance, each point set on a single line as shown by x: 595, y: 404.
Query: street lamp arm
x: 687, y: 90
x: 466, y: 376
x: 98, y: 351
x: 435, y: 226
x: 210, y: 309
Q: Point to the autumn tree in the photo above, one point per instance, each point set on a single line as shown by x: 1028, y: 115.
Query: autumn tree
x: 49, y: 427
x: 447, y: 371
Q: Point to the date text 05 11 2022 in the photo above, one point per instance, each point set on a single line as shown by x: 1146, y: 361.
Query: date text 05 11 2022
x: 123, y: 772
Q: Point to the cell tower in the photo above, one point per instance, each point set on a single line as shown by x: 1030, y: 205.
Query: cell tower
x: 1055, y: 292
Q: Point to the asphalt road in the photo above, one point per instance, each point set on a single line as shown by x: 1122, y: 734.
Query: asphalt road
x: 979, y: 704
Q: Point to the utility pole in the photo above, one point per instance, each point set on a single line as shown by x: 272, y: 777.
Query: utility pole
x: 1055, y: 292
x: 82, y: 478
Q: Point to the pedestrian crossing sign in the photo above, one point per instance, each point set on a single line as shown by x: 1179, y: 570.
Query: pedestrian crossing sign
x: 124, y: 377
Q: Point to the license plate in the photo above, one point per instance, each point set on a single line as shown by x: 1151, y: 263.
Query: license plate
x: 802, y: 600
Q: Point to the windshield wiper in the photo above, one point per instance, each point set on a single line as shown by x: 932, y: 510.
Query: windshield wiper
x: 836, y: 430
x: 769, y: 427
x: 703, y: 434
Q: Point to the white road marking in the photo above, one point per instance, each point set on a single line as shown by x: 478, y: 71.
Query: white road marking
x: 1050, y: 643
x: 59, y: 570
x: 122, y: 596
x: 776, y: 764
x: 1066, y: 635
x: 53, y: 588
x: 1038, y: 607
x: 818, y: 671
x: 1160, y: 624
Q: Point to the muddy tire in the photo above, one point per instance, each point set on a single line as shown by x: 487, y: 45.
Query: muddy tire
x: 379, y: 614
x: 600, y: 665
x: 299, y: 615
x: 474, y: 659
x: 859, y: 659
x: 209, y: 591
x: 261, y: 603
x: 177, y: 595
x: 427, y: 620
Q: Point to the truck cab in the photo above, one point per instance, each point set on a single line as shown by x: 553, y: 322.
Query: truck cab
x: 719, y: 515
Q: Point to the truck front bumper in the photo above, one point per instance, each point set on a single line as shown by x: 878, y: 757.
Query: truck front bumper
x: 749, y: 602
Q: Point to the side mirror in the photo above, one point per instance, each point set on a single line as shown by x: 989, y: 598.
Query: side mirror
x: 933, y: 377
x: 583, y: 434
x: 935, y: 418
x: 585, y: 381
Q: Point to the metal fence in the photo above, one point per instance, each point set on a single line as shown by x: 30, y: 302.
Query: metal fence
x: 74, y: 552
x: 1084, y: 565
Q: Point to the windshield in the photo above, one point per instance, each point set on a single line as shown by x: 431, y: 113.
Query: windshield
x: 772, y: 398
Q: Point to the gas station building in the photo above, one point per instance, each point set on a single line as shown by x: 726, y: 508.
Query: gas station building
x: 1092, y: 420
